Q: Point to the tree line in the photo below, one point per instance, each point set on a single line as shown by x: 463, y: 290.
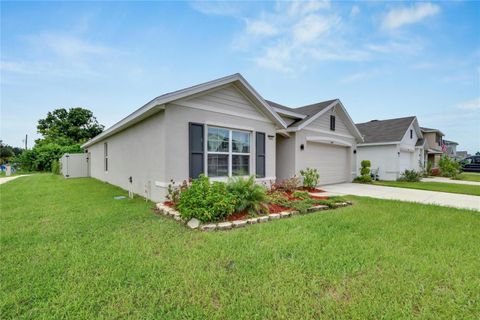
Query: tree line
x: 62, y: 131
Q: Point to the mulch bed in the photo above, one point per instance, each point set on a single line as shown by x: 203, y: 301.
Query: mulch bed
x: 237, y: 216
x: 313, y: 190
x: 275, y: 208
x: 169, y: 204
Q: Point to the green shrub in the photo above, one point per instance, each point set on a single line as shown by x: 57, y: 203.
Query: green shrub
x: 40, y: 157
x: 365, y: 176
x: 249, y: 195
x: 365, y: 170
x: 310, y: 177
x: 279, y: 198
x: 173, y: 191
x: 410, y: 176
x: 363, y: 179
x: 301, y: 195
x: 302, y: 205
x: 55, y: 167
x: 206, y: 201
x: 449, y: 167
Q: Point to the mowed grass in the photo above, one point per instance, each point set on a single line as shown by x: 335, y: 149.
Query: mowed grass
x: 434, y: 186
x: 69, y: 250
x: 469, y: 176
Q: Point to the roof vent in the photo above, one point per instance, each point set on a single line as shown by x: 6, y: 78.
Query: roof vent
x: 374, y: 120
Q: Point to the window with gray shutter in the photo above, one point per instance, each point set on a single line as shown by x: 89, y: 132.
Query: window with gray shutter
x: 196, y: 149
x: 260, y: 154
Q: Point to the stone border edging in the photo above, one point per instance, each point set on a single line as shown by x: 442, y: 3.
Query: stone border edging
x: 195, y: 224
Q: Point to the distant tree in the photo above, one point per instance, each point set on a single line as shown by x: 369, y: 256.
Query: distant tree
x: 7, y: 152
x: 477, y: 153
x: 67, y: 127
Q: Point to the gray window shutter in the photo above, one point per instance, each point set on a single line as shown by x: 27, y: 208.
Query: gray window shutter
x: 196, y: 149
x: 260, y: 154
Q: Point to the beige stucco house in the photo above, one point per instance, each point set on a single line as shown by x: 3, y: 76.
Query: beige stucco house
x: 433, y: 145
x: 223, y: 128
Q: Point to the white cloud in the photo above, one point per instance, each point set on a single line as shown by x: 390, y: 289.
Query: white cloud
x: 311, y: 27
x: 302, y: 8
x: 473, y: 104
x: 217, y: 8
x: 354, y: 11
x: 356, y: 77
x: 260, y: 28
x: 68, y: 47
x: 276, y: 58
x: 399, y: 17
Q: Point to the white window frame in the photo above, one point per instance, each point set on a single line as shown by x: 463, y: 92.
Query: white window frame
x: 230, y: 152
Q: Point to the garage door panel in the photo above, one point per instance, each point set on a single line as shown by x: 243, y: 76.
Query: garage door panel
x: 405, y: 161
x: 331, y: 162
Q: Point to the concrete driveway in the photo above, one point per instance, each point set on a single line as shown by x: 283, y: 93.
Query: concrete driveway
x: 461, y: 201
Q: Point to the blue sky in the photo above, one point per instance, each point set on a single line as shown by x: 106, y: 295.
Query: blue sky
x: 382, y: 59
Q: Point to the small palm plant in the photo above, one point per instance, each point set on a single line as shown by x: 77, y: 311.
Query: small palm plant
x: 250, y: 196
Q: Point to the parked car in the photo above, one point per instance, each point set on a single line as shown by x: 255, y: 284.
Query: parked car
x: 471, y: 164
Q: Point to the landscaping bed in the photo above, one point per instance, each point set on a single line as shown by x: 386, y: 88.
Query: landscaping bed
x: 207, y: 206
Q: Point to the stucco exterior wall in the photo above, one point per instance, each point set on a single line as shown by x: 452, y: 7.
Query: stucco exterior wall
x: 155, y: 150
x: 137, y: 152
x: 285, y: 159
x: 177, y: 119
x: 385, y: 158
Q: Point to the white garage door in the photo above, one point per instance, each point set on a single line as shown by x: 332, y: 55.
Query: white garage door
x: 331, y: 161
x: 405, y: 161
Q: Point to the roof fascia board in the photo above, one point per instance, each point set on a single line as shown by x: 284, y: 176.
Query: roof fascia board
x: 289, y: 113
x: 317, y: 115
x: 329, y: 141
x: 377, y: 144
x: 180, y: 94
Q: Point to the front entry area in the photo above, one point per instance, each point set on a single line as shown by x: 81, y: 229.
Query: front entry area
x: 331, y: 161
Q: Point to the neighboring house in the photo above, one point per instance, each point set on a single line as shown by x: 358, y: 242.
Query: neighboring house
x: 392, y: 146
x: 451, y: 148
x: 433, y: 145
x: 462, y: 154
x: 222, y: 128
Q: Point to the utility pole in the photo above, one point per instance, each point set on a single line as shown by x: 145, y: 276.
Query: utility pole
x: 26, y: 139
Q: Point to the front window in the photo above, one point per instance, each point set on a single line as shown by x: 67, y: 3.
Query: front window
x: 228, y: 152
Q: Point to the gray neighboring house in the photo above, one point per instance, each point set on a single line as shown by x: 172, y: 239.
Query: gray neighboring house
x: 462, y: 155
x: 222, y: 128
x: 451, y: 147
x: 392, y: 146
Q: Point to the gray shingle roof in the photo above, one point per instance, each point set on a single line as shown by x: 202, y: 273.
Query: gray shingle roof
x: 420, y: 142
x: 308, y: 110
x: 391, y: 130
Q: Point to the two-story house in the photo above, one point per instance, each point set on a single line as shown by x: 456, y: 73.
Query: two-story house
x: 433, y: 145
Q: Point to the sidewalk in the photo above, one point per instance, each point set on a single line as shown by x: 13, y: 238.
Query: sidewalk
x: 7, y: 179
x: 460, y: 201
x: 448, y: 180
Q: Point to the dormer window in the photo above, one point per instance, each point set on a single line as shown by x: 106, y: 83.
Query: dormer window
x: 332, y: 123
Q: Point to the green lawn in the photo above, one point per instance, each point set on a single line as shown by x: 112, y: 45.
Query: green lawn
x: 469, y: 176
x: 68, y: 250
x: 434, y: 186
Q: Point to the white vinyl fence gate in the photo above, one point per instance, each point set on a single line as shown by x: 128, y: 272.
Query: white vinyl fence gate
x: 74, y: 165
